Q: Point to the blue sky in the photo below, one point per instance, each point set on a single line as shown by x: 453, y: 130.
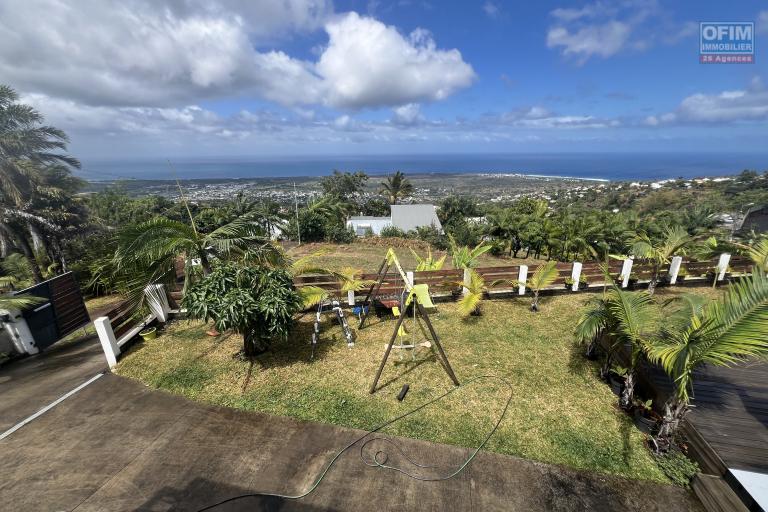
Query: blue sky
x: 310, y: 77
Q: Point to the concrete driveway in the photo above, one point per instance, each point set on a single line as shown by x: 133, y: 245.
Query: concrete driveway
x: 118, y: 445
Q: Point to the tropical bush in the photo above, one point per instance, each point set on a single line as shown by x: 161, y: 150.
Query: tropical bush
x: 256, y: 302
x: 392, y: 232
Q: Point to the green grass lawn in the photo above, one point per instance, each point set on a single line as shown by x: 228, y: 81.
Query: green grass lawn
x: 561, y: 412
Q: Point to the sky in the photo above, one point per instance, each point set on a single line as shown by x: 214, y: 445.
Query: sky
x: 285, y: 78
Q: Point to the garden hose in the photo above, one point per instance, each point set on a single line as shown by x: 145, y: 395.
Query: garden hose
x: 380, y: 458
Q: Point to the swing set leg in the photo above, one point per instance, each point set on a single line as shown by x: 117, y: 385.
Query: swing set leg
x: 443, y: 358
x: 386, y: 353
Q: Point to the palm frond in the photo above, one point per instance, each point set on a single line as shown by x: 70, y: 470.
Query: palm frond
x: 544, y: 275
x: 311, y: 295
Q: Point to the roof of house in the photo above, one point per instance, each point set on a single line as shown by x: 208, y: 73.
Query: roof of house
x: 755, y: 219
x: 412, y: 216
x: 368, y: 217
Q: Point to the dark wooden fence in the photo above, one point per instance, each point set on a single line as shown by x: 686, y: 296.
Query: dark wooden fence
x: 442, y: 282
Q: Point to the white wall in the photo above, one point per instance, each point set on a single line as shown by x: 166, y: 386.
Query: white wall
x: 376, y: 225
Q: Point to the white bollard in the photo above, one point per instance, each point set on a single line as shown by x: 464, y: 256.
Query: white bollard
x: 522, y: 277
x: 351, y: 297
x: 107, y: 339
x: 467, y: 281
x: 626, y: 270
x: 722, y: 265
x: 575, y: 275
x: 674, y: 269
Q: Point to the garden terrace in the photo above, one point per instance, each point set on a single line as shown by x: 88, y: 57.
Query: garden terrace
x: 561, y: 413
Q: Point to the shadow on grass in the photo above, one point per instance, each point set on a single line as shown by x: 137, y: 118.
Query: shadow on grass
x: 298, y: 346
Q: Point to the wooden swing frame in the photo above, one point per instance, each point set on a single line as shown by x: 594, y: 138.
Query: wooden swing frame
x: 389, y: 260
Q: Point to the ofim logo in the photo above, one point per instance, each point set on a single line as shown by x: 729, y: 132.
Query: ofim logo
x: 727, y: 42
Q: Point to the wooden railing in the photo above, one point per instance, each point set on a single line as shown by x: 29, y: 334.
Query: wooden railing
x: 442, y: 282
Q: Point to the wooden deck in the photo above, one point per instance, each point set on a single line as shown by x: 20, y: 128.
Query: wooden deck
x: 730, y: 415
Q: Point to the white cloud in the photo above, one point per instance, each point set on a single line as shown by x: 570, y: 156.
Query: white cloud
x: 603, y: 40
x: 369, y: 64
x: 604, y: 29
x: 750, y: 104
x: 762, y: 22
x: 408, y: 115
x: 167, y: 53
x: 491, y: 9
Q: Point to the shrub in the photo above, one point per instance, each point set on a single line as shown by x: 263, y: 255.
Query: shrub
x: 339, y: 234
x: 431, y: 235
x: 392, y: 232
x: 256, y: 302
x: 679, y: 468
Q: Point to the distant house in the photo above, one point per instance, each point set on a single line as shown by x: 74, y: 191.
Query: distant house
x: 361, y: 225
x: 405, y: 217
x: 755, y: 220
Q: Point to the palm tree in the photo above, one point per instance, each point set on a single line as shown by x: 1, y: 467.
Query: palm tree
x: 31, y: 166
x: 428, y: 262
x: 758, y: 253
x: 464, y: 256
x: 396, y: 187
x: 147, y: 252
x: 8, y: 302
x: 544, y: 275
x: 626, y: 318
x: 721, y: 333
x: 674, y: 241
x: 26, y: 146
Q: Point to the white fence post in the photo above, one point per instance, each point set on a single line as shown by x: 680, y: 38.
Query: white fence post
x: 626, y: 270
x: 522, y: 277
x: 157, y: 301
x: 674, y: 269
x: 107, y: 339
x: 722, y: 265
x: 409, y: 276
x: 467, y: 281
x: 575, y: 275
x: 351, y: 297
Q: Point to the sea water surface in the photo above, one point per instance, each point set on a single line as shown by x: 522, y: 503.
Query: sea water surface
x: 610, y: 166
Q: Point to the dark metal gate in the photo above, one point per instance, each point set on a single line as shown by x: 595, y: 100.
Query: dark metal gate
x: 62, y: 312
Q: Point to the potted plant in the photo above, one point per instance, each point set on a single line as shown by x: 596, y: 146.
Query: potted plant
x: 616, y: 377
x: 149, y: 333
x: 568, y: 284
x: 646, y: 418
x: 583, y: 283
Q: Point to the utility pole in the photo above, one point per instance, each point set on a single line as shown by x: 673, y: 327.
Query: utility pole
x: 296, y: 202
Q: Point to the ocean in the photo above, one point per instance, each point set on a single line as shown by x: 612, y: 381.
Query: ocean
x: 606, y: 166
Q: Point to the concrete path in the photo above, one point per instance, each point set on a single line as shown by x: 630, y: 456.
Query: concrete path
x: 118, y: 445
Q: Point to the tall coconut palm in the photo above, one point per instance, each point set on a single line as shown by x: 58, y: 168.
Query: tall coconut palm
x: 721, y: 333
x: 396, y: 187
x: 674, y: 241
x: 31, y: 163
